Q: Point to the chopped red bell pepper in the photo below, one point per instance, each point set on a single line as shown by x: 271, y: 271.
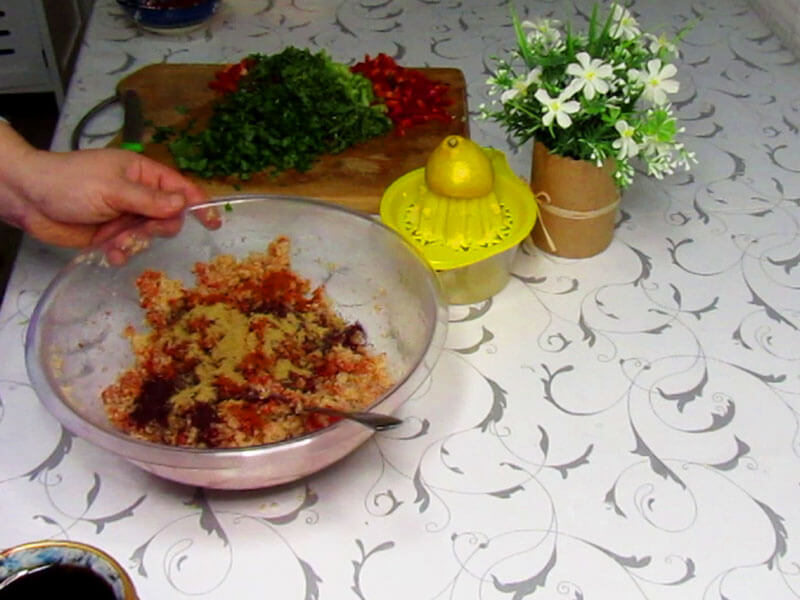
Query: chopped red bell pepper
x: 227, y: 80
x: 411, y: 98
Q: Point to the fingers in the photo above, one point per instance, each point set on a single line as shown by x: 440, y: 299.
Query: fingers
x: 115, y: 227
x: 135, y: 198
x: 129, y: 234
x: 209, y: 217
x: 156, y: 175
x: 153, y: 189
x: 131, y: 240
x: 164, y: 227
x: 68, y: 235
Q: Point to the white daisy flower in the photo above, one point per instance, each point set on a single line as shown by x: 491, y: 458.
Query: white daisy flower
x: 623, y: 24
x: 657, y: 82
x: 520, y: 85
x: 591, y: 75
x: 625, y: 145
x: 661, y: 42
x: 544, y: 31
x: 559, y: 108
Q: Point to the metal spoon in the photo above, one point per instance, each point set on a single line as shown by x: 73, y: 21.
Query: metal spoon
x: 376, y: 421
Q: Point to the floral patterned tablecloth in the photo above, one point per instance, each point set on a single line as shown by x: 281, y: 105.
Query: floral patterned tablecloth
x: 624, y: 426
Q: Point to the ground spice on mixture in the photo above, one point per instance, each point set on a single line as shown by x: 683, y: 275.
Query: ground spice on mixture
x: 234, y: 360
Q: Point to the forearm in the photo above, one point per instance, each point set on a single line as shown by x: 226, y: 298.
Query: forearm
x: 17, y: 165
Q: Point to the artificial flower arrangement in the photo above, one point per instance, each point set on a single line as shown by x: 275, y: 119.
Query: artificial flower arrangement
x: 594, y: 96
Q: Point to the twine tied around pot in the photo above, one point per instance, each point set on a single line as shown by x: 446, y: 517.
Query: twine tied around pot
x: 577, y: 202
x: 544, y: 202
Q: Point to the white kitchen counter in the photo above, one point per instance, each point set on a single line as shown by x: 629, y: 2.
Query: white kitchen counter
x: 624, y: 426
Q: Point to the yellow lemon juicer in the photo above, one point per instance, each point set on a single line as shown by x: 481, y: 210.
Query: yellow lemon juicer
x: 466, y: 211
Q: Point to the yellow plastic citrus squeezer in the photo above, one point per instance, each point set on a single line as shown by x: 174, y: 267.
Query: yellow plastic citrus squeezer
x: 470, y: 241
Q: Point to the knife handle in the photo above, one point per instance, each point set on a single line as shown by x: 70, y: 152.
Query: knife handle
x: 132, y: 146
x: 132, y: 128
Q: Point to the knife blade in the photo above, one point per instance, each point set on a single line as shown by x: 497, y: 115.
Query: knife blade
x: 133, y: 124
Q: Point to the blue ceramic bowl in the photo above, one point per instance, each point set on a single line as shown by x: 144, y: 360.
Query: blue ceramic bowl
x: 169, y: 15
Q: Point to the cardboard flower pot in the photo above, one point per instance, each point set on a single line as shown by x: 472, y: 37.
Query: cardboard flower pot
x: 577, y: 201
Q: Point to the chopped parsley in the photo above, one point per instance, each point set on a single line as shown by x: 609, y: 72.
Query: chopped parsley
x: 287, y: 110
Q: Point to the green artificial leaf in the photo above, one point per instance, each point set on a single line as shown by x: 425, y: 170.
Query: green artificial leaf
x: 660, y: 125
x: 522, y: 39
x: 593, y: 26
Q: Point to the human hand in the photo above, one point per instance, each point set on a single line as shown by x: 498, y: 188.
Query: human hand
x: 86, y: 197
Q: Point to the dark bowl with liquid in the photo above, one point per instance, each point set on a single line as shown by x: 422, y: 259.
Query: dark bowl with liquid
x: 57, y: 568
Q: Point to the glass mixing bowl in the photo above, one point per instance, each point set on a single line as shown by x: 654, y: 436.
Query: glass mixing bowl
x: 75, y: 347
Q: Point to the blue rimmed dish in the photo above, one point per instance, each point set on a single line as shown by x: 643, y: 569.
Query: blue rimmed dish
x: 27, y: 560
x: 169, y: 16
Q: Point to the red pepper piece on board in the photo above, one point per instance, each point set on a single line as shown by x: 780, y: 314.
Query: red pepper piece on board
x: 227, y: 80
x: 410, y: 97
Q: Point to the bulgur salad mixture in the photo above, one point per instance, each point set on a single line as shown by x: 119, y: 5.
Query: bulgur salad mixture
x: 234, y: 360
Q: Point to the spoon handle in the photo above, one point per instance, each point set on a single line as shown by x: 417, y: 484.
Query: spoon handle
x: 376, y: 421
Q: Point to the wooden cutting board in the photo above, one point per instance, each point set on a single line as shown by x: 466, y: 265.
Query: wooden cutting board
x: 355, y: 178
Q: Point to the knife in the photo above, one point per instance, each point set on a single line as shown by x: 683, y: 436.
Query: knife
x: 133, y: 125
